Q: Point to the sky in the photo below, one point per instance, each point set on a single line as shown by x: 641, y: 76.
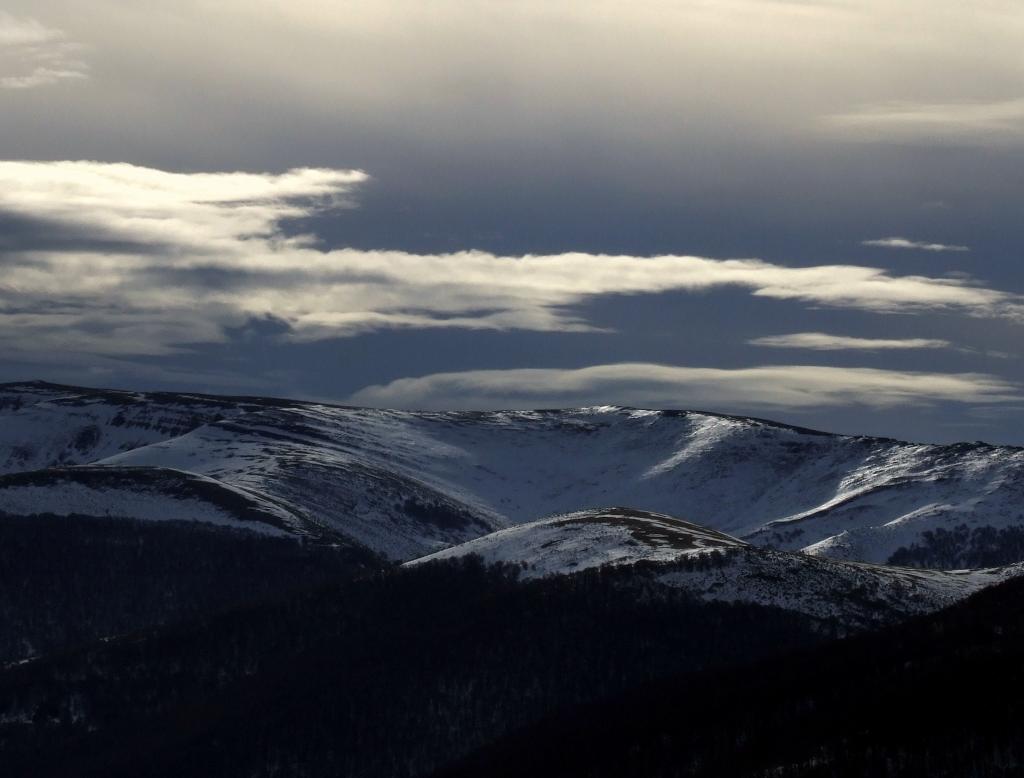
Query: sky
x: 806, y: 210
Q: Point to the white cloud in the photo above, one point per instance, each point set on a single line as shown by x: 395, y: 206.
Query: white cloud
x: 25, y: 31
x: 652, y: 385
x: 905, y: 243
x: 32, y: 54
x: 821, y: 341
x: 201, y: 213
x: 42, y: 76
x: 967, y: 120
x: 202, y: 251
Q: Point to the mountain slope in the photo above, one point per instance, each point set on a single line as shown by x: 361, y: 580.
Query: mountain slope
x: 586, y: 539
x: 147, y: 493
x: 773, y: 485
x: 712, y: 566
x: 46, y: 425
x: 400, y: 674
x: 391, y: 675
x: 407, y: 484
x: 71, y: 583
x: 937, y: 697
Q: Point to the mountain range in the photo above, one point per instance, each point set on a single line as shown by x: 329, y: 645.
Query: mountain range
x: 406, y: 484
x: 198, y: 584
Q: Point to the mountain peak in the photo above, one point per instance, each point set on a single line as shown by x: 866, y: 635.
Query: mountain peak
x: 591, y: 538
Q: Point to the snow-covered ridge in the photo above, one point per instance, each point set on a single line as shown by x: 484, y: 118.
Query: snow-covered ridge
x: 145, y: 493
x: 46, y: 425
x: 713, y: 566
x: 586, y: 539
x: 408, y: 484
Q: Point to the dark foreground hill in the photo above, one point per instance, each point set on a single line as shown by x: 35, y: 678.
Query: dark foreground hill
x: 937, y: 697
x: 460, y: 670
x: 67, y: 582
x: 394, y: 675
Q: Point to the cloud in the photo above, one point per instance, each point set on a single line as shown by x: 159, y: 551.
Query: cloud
x: 32, y: 54
x: 42, y: 76
x: 904, y: 243
x: 652, y: 385
x: 968, y: 120
x: 99, y: 370
x: 821, y: 341
x: 190, y: 256
x: 25, y: 31
x: 501, y: 81
x: 155, y: 294
x: 195, y: 213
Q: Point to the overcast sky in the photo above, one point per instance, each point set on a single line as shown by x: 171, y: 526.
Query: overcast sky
x: 808, y: 210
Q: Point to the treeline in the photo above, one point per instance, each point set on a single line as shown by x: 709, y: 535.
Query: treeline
x: 937, y: 697
x: 395, y: 675
x: 67, y: 581
x: 254, y: 656
x: 963, y: 547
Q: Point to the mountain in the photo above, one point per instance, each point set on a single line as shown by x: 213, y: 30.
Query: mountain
x: 144, y: 493
x: 603, y: 672
x: 387, y: 675
x: 407, y: 484
x: 239, y: 586
x: 48, y: 425
x: 66, y: 583
x: 586, y: 539
x: 712, y: 566
x: 937, y: 697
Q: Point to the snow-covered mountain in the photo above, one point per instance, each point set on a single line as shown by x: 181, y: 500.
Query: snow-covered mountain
x: 47, y: 425
x: 714, y: 566
x: 408, y: 484
x: 582, y: 540
x: 146, y: 493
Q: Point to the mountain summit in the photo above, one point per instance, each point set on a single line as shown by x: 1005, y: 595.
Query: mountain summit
x: 406, y: 484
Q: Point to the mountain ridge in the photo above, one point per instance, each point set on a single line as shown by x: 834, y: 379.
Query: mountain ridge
x: 231, y: 597
x: 407, y: 484
x: 712, y: 566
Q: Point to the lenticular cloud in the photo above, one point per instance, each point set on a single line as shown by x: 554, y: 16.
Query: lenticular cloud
x: 176, y: 231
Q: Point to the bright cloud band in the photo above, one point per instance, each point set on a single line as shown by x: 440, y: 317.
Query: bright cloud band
x: 171, y: 231
x: 659, y: 386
